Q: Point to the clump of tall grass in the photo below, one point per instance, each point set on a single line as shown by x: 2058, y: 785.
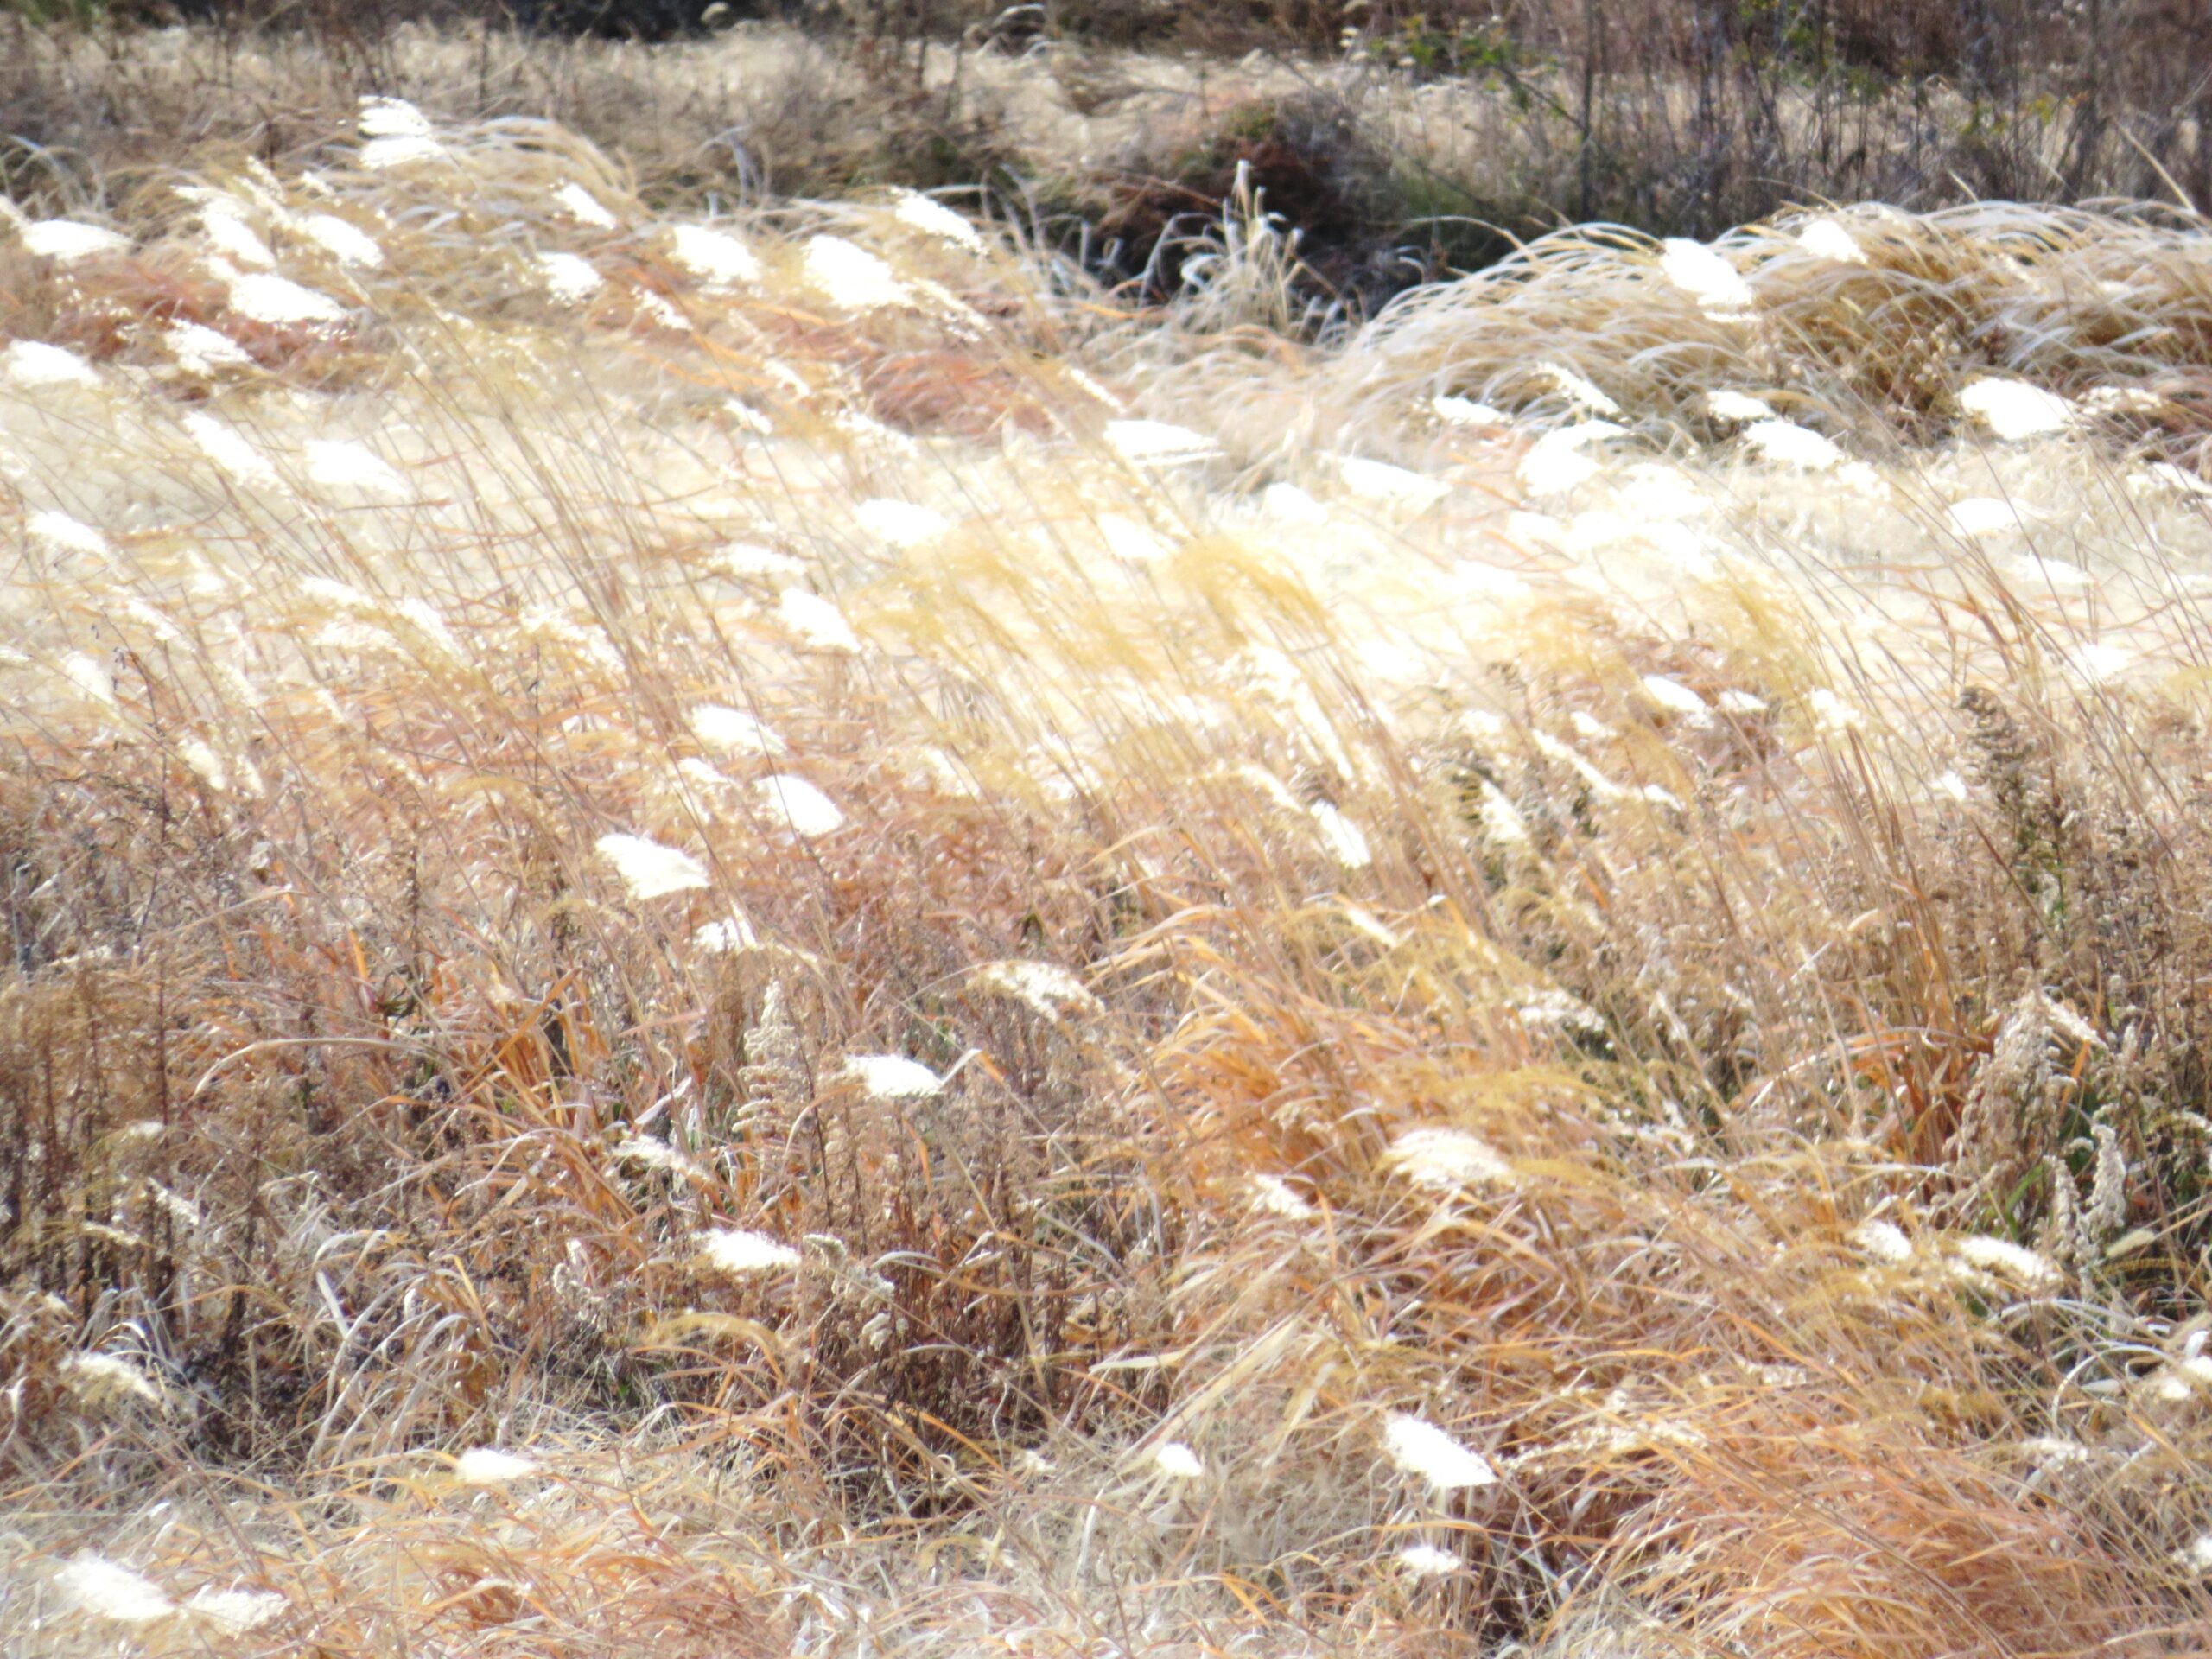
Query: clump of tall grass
x: 811, y: 946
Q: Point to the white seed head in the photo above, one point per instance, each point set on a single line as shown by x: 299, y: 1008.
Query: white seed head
x: 569, y: 277
x: 198, y: 348
x: 234, y: 1612
x: 1885, y: 1240
x: 658, y: 309
x: 741, y: 1253
x: 393, y: 118
x: 1557, y: 1010
x: 650, y: 870
x: 2175, y: 477
x: 222, y: 221
x: 101, y: 1380
x: 60, y: 533
x: 746, y: 418
x: 1445, y: 1160
x: 1392, y: 487
x: 485, y: 1466
x: 110, y: 1591
x: 1739, y: 407
x: 1678, y: 699
x: 851, y: 277
x: 206, y: 764
x: 1827, y: 238
x: 339, y: 464
x: 2101, y: 661
x: 64, y: 241
x: 798, y: 805
x: 1046, y: 986
x: 1785, y: 443
x: 1501, y: 823
x: 1718, y: 286
x: 91, y: 676
x: 1177, y: 1461
x: 646, y: 1152
x: 2014, y: 410
x: 1274, y: 1196
x: 1427, y: 1561
x: 902, y: 524
x: 281, y: 303
x: 229, y: 449
x: 932, y: 218
x: 153, y: 620
x: 716, y: 258
x: 742, y: 560
x: 1464, y: 411
x: 893, y: 1076
x: 735, y: 730
x: 583, y: 207
x: 2186, y: 1378
x: 2051, y: 1452
x: 816, y: 622
x: 397, y: 132
x: 1420, y: 1448
x: 1345, y: 841
x: 33, y: 363
x: 2007, y: 1260
x: 1157, y: 443
x: 381, y: 155
x: 1981, y: 515
x: 1580, y: 393
x: 1557, y: 463
x: 2125, y: 400
x: 343, y: 240
x: 1832, y: 715
x: 735, y: 933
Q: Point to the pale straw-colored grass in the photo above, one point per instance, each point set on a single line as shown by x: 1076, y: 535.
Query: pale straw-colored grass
x: 846, y: 954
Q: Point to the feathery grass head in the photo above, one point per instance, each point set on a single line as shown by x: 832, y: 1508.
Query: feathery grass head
x: 649, y: 869
x: 740, y: 1254
x: 1421, y: 1449
x: 484, y: 1465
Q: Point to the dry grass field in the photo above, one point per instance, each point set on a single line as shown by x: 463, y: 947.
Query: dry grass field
x: 765, y: 932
